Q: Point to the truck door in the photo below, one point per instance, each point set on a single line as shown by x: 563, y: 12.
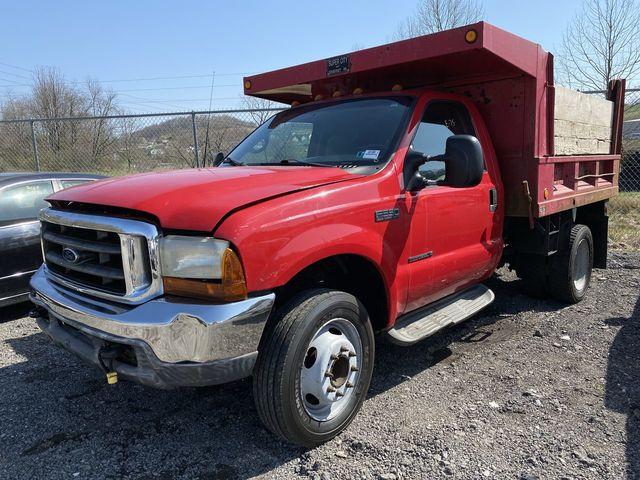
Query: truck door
x: 457, y: 248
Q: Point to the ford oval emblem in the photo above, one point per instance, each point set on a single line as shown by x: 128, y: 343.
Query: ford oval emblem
x: 70, y: 255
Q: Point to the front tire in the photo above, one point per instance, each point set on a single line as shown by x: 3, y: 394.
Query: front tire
x: 314, y: 367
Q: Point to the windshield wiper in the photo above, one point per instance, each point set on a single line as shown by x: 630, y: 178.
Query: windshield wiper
x: 288, y: 161
x: 233, y: 162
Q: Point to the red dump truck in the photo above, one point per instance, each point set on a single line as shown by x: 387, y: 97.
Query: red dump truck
x: 399, y: 179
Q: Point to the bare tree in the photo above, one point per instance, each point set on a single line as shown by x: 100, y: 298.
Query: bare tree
x: 436, y: 15
x: 601, y: 43
x: 129, y: 149
x: 15, y: 108
x: 52, y: 98
x: 260, y: 106
x: 101, y: 103
x: 15, y: 138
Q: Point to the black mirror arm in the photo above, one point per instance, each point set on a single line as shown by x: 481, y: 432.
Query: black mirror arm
x: 219, y: 159
x: 417, y: 181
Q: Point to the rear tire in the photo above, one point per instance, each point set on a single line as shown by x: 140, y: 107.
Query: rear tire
x: 314, y: 367
x: 570, y: 270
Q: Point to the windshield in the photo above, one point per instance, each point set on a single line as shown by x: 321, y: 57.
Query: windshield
x: 353, y: 133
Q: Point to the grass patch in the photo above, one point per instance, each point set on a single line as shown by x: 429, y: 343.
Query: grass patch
x: 624, y: 221
x: 632, y: 112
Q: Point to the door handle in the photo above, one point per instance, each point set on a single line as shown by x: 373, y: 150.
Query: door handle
x: 493, y: 200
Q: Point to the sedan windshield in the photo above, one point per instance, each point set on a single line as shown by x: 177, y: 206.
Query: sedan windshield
x: 352, y: 133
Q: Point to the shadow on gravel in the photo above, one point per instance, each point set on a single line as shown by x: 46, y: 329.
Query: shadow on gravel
x: 623, y: 383
x: 76, y: 423
x: 59, y: 415
x: 14, y: 312
x: 396, y: 364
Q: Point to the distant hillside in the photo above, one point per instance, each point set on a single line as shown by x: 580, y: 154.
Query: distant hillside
x: 180, y: 127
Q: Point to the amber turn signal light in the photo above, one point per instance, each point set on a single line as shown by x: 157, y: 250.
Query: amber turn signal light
x: 471, y: 36
x: 232, y: 287
x: 247, y: 84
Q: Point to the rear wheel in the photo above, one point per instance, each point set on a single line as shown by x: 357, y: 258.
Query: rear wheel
x: 314, y: 367
x: 570, y: 271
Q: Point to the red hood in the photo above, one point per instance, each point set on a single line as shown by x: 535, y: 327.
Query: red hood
x: 196, y: 199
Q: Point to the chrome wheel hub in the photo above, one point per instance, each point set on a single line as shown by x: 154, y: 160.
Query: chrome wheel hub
x: 581, y: 266
x: 331, y: 369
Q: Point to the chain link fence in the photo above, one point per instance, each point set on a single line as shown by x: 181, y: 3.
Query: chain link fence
x: 624, y: 210
x: 123, y: 144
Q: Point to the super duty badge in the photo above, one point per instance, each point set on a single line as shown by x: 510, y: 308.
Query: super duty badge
x: 386, y: 215
x: 338, y: 65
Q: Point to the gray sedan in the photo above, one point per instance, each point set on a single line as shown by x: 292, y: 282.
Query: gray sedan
x: 21, y: 199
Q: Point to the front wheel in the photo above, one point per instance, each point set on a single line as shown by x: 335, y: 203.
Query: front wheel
x: 314, y: 367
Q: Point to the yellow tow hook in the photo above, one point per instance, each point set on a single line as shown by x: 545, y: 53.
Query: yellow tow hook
x: 112, y: 378
x: 108, y: 353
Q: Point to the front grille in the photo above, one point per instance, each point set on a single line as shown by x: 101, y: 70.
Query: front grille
x: 97, y: 254
x: 108, y: 257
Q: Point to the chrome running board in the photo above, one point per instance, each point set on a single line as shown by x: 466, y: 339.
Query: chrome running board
x: 424, y: 322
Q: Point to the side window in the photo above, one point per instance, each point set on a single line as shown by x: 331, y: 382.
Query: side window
x: 441, y: 120
x: 70, y: 183
x: 24, y: 201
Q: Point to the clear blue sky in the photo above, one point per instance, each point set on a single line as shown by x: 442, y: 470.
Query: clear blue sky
x: 125, y: 40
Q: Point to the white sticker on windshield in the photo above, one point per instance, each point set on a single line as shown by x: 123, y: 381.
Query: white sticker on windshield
x: 371, y: 154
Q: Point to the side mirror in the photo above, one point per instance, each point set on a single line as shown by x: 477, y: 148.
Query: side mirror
x: 464, y: 162
x: 412, y: 179
x: 219, y: 158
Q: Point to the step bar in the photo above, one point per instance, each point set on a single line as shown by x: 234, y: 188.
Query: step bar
x: 424, y: 322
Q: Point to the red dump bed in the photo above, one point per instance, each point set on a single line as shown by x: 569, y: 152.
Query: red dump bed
x: 511, y: 81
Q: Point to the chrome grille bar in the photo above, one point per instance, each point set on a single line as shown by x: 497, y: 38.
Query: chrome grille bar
x: 82, y: 244
x: 98, y: 271
x: 112, y: 258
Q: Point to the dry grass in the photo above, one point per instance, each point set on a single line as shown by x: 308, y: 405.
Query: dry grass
x: 624, y: 221
x: 632, y: 112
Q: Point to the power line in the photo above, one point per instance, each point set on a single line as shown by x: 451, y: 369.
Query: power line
x: 188, y: 99
x: 140, y: 101
x: 176, y: 88
x: 149, y: 79
x: 9, y: 85
x: 188, y: 87
x: 15, y: 66
x: 143, y: 100
x: 15, y: 74
x: 204, y: 75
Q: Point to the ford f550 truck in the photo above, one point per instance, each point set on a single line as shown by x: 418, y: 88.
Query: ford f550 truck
x: 379, y: 202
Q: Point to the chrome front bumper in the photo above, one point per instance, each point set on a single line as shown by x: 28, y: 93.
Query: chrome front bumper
x: 167, y: 332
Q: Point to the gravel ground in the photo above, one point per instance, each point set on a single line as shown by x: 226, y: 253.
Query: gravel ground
x: 528, y: 389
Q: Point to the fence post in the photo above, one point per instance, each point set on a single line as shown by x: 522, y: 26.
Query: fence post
x: 195, y: 139
x: 34, y: 143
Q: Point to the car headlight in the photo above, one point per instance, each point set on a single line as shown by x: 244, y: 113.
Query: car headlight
x: 202, y: 267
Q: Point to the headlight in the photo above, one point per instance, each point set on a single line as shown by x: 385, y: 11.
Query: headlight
x: 192, y: 257
x: 202, y: 267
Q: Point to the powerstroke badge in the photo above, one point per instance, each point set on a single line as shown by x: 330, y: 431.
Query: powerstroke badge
x: 338, y: 65
x: 386, y: 215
